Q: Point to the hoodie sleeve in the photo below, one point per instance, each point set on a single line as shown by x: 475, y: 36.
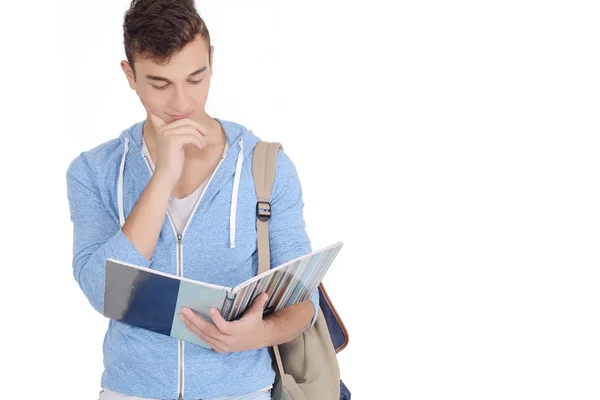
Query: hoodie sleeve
x: 287, y: 233
x: 96, y: 233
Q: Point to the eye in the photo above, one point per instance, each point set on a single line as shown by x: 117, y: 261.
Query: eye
x: 167, y: 85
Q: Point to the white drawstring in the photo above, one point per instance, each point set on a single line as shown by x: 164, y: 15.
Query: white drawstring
x: 120, y: 187
x: 234, y: 195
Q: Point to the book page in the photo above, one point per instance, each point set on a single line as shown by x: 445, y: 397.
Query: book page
x: 290, y: 283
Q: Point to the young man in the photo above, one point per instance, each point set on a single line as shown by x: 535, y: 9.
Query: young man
x: 175, y: 193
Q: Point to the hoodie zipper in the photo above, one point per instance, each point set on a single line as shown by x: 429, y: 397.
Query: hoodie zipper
x: 180, y: 349
x: 180, y: 342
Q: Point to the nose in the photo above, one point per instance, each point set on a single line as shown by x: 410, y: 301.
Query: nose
x: 180, y: 103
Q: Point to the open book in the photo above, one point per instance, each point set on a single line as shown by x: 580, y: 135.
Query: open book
x: 152, y: 300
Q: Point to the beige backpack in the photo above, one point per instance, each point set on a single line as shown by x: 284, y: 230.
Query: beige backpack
x: 306, y: 368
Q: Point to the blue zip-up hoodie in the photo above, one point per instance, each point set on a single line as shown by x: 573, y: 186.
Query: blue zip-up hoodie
x: 218, y: 246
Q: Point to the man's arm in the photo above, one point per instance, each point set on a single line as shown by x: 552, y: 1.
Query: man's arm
x: 287, y: 230
x: 96, y: 233
x: 143, y: 225
x: 288, y: 323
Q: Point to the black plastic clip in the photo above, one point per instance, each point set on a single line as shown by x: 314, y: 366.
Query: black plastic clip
x: 263, y: 210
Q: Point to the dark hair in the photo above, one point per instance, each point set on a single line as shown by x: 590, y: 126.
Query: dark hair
x: 156, y: 29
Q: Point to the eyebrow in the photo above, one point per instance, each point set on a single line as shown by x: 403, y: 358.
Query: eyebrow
x: 160, y: 78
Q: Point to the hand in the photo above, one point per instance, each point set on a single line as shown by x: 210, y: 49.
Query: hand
x: 171, y: 139
x: 247, y: 333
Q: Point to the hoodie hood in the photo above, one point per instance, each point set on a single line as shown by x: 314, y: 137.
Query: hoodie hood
x: 240, y: 141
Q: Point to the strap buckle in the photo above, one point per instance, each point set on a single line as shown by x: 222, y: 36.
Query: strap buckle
x: 263, y: 210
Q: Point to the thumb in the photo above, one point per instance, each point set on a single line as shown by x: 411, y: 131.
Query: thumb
x: 155, y: 120
x: 259, y: 303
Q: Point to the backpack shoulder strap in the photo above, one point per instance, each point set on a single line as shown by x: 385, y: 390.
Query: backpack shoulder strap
x: 264, y: 161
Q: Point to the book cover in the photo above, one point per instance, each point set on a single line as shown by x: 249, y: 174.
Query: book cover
x: 152, y: 300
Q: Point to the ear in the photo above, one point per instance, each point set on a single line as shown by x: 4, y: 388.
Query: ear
x: 210, y: 59
x: 128, y: 73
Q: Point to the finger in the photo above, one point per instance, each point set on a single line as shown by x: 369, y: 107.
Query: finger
x: 212, y: 342
x: 185, y: 135
x: 170, y: 130
x: 258, y: 305
x: 184, y: 131
x: 200, y: 324
x: 197, y: 331
x: 224, y: 326
x: 201, y: 128
x: 193, y: 140
x: 188, y: 121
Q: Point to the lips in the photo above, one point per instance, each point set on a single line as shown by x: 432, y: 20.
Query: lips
x: 181, y: 115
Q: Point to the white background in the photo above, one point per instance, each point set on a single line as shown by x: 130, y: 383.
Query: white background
x: 453, y: 147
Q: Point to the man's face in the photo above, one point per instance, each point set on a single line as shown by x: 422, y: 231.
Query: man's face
x: 174, y: 90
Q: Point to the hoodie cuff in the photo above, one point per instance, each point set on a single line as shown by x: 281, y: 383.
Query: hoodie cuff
x: 120, y: 248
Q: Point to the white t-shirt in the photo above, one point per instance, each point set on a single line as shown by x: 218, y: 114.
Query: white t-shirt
x: 179, y: 209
